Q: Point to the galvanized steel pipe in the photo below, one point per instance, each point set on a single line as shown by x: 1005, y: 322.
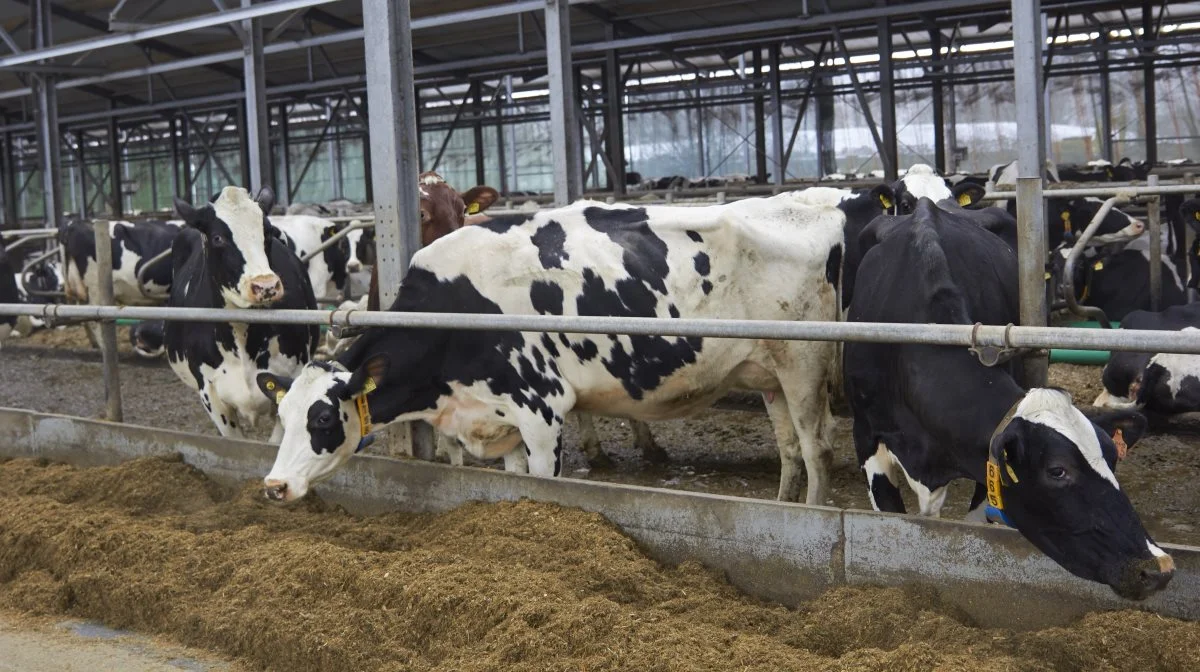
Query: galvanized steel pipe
x: 1069, y: 268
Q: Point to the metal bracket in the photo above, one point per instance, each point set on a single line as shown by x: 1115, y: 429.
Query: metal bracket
x: 990, y: 355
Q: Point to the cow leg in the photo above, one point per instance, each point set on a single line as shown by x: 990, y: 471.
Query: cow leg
x: 92, y: 329
x: 807, y: 406
x: 516, y: 461
x: 644, y: 441
x: 223, y: 415
x: 977, y: 513
x: 883, y: 479
x: 589, y: 442
x: 450, y: 448
x: 789, y: 448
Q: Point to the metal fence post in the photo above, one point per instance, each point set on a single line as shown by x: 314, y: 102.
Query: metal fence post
x: 1154, y: 212
x: 108, y: 328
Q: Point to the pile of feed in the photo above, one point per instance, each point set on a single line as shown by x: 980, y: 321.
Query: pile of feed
x: 154, y: 546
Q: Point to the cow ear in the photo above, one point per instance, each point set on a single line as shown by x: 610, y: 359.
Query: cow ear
x: 1190, y: 211
x: 272, y: 230
x: 369, y: 376
x: 265, y: 199
x: 478, y: 199
x: 1125, y: 428
x: 275, y: 387
x: 185, y: 210
x: 1008, y: 451
x: 967, y: 193
x: 885, y: 196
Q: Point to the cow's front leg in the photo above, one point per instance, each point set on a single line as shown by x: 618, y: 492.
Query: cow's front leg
x: 223, y: 415
x: 543, y: 446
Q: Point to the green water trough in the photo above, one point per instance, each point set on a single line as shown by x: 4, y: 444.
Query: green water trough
x: 1087, y: 357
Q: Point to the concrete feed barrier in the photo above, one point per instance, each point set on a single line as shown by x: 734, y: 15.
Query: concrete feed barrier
x: 776, y: 551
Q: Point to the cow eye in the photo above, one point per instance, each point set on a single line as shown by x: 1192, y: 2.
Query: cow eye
x: 1057, y: 473
x: 218, y: 240
x: 325, y: 420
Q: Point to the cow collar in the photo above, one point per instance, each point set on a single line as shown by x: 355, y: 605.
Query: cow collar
x: 994, y: 477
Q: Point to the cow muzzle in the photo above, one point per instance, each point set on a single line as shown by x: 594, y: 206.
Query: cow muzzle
x: 353, y: 267
x: 266, y: 289
x: 279, y: 490
x: 1143, y: 578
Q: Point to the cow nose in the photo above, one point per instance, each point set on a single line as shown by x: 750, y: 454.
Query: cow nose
x: 267, y: 289
x: 354, y: 267
x: 275, y: 490
x: 1137, y: 226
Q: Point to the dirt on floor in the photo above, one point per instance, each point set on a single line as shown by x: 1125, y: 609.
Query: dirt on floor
x: 154, y: 546
x: 719, y: 451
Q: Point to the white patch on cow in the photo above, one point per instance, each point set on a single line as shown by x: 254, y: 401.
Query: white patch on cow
x: 1142, y: 245
x: 1107, y: 400
x: 432, y: 179
x: 1099, y: 163
x: 1130, y: 232
x: 353, y: 263
x: 1155, y: 550
x: 885, y: 463
x: 305, y: 232
x: 923, y: 181
x: 1053, y: 409
x: 244, y: 218
x: 1180, y: 367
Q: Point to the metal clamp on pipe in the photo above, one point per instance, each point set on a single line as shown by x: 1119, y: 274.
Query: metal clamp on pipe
x: 991, y: 355
x: 1088, y: 312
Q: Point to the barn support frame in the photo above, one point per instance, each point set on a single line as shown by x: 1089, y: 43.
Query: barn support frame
x: 392, y: 123
x: 8, y: 180
x: 117, y: 206
x: 1149, y: 32
x: 1028, y: 26
x: 257, y: 115
x: 46, y: 101
x: 564, y: 126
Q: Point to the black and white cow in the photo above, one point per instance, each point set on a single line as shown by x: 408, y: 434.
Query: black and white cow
x: 361, y: 243
x: 1119, y: 282
x: 132, y: 246
x: 1159, y: 383
x: 305, y: 233
x: 227, y: 257
x: 919, y: 181
x: 772, y: 258
x: 9, y: 292
x: 932, y: 414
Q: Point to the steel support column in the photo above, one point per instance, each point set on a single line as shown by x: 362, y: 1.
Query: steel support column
x: 8, y: 181
x: 939, y: 111
x: 887, y: 101
x: 477, y: 133
x: 1106, y: 140
x: 1149, y: 34
x: 501, y: 153
x: 114, y: 169
x: 614, y: 121
x: 1029, y: 40
x: 83, y: 175
x: 258, y: 122
x: 826, y: 158
x: 285, y: 145
x: 564, y: 122
x: 392, y: 125
x: 760, y: 119
x: 46, y: 102
x: 777, y: 152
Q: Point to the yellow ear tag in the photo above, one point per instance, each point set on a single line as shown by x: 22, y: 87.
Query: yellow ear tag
x: 993, y: 485
x: 1066, y: 220
x: 1098, y: 266
x: 964, y: 199
x: 885, y: 201
x: 270, y: 385
x: 1196, y: 215
x: 1047, y: 276
x: 369, y: 386
x: 473, y: 208
x: 1012, y: 475
x: 364, y: 415
x: 279, y: 395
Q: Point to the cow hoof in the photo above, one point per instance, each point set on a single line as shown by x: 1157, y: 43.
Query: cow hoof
x: 654, y: 454
x: 600, y: 460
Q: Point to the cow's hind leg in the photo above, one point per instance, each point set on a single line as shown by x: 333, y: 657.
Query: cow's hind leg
x: 789, y: 447
x: 807, y: 404
x: 589, y: 442
x: 644, y: 441
x: 517, y: 461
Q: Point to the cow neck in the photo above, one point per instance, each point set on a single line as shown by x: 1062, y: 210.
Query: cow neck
x: 996, y: 412
x: 393, y: 399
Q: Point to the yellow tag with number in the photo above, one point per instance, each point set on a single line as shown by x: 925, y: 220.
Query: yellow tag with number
x: 1066, y: 220
x: 369, y: 386
x: 885, y: 201
x: 964, y: 199
x: 993, y: 485
x: 279, y: 395
x: 473, y: 208
x: 1098, y: 266
x: 364, y: 415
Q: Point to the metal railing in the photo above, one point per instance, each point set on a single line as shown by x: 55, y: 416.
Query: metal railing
x: 964, y: 335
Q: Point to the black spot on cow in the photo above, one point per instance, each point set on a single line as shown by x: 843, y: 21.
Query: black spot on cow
x: 224, y: 420
x: 500, y: 413
x: 649, y: 359
x: 702, y: 265
x: 833, y: 266
x: 585, y: 350
x: 645, y: 254
x: 539, y: 360
x: 707, y: 287
x: 547, y: 297
x: 502, y: 223
x: 673, y: 310
x: 558, y: 456
x: 550, y: 240
x: 548, y: 344
x: 695, y: 236
x: 564, y: 340
x: 326, y: 434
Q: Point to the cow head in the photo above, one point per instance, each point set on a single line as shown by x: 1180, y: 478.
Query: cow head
x: 361, y: 249
x: 1068, y: 219
x: 1050, y: 471
x: 325, y: 413
x: 444, y: 210
x: 237, y: 237
x: 919, y: 181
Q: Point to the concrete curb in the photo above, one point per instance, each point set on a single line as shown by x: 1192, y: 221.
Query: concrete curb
x: 776, y: 551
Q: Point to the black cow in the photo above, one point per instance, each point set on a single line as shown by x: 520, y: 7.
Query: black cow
x: 1157, y: 383
x: 9, y: 292
x: 229, y: 256
x: 1119, y: 282
x: 132, y: 246
x: 931, y: 414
